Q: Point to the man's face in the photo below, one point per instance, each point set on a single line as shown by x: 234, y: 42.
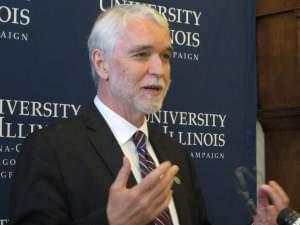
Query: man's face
x: 139, y: 68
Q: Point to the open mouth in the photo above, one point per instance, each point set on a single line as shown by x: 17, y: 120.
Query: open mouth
x: 153, y: 89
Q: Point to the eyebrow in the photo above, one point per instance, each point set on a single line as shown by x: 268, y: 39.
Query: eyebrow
x: 145, y: 48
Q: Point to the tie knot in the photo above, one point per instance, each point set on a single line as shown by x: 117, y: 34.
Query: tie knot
x: 139, y: 139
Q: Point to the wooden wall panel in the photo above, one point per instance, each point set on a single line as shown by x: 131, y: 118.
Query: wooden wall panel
x: 284, y: 161
x: 268, y: 7
x: 277, y: 61
x: 278, y: 87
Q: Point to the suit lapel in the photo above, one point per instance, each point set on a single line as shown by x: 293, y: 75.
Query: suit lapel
x: 104, y: 142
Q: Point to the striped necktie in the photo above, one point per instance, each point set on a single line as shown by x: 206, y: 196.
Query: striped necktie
x: 146, y: 166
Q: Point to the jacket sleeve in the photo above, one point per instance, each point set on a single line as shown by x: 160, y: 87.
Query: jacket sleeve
x: 39, y: 195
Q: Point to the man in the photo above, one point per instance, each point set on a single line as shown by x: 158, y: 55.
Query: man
x: 76, y: 172
x: 98, y: 168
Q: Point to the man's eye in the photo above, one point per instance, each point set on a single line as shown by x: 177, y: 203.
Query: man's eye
x: 166, y: 56
x: 142, y: 54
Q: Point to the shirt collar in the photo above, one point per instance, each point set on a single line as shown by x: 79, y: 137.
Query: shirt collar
x: 122, y: 129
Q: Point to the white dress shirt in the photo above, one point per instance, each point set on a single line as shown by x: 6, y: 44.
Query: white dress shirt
x: 123, y: 132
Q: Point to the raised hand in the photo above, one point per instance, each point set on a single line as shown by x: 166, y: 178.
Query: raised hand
x: 271, y: 200
x: 142, y: 203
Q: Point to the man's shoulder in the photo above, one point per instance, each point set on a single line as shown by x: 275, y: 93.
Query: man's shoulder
x: 61, y: 126
x: 70, y: 127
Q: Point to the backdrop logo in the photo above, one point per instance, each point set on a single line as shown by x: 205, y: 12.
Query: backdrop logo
x: 15, y: 19
x: 195, y: 129
x: 4, y: 221
x: 18, y: 118
x: 184, y: 25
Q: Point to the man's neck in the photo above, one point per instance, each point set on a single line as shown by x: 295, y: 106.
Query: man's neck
x: 137, y: 119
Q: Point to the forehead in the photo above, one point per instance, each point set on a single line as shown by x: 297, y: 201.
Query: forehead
x: 141, y: 30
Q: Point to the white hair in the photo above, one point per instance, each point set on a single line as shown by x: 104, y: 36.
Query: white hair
x: 108, y: 26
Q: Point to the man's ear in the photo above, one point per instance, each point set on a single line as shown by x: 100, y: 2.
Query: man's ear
x: 100, y: 64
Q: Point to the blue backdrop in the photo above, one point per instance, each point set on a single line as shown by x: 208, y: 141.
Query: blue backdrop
x: 210, y: 108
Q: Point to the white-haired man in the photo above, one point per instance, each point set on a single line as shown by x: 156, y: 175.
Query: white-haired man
x: 108, y: 166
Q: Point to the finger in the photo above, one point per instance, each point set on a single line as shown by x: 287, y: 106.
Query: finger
x: 262, y: 196
x: 157, y: 207
x: 153, y: 178
x: 154, y: 188
x: 149, y: 213
x: 172, y: 174
x: 266, y: 215
x: 166, y: 181
x: 279, y: 190
x: 123, y: 175
x: 275, y: 198
x: 158, y: 194
x: 152, y: 192
x: 278, y: 196
x: 160, y: 199
x: 160, y: 208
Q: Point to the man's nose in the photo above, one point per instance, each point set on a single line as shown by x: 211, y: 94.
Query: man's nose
x: 156, y: 65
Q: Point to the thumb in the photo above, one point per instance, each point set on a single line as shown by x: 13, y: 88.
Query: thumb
x: 123, y: 175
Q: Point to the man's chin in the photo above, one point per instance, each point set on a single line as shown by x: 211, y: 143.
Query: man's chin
x: 151, y: 108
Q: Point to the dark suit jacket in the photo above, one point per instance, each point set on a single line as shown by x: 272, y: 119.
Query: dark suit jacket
x: 64, y: 174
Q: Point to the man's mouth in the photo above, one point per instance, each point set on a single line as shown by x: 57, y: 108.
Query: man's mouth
x: 153, y: 89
